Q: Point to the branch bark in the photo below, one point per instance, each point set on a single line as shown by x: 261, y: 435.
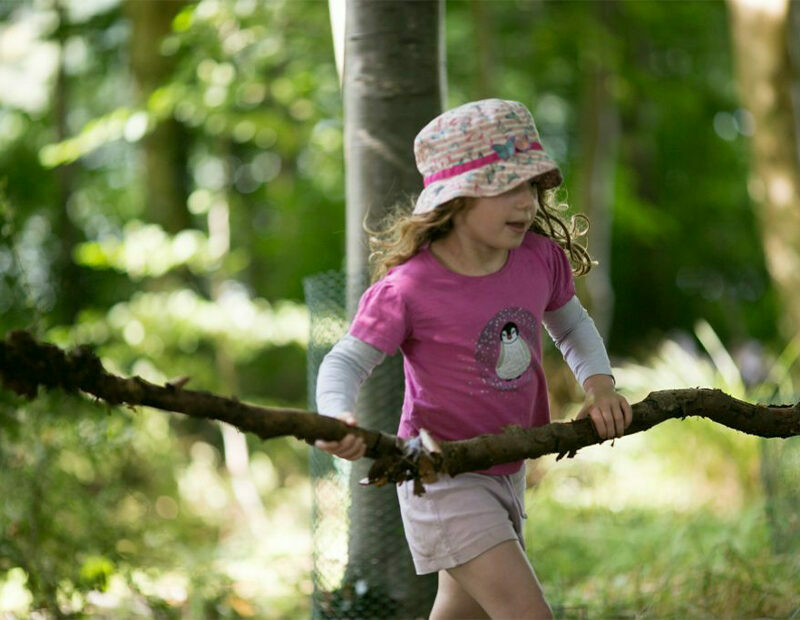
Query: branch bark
x: 26, y: 364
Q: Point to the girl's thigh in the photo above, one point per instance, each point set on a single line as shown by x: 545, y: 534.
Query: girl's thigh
x: 453, y: 601
x: 503, y: 583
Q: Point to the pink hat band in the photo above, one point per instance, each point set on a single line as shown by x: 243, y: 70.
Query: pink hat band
x: 509, y: 149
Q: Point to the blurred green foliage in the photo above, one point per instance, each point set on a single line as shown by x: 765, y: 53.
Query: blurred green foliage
x: 655, y: 563
x: 686, y: 519
x: 134, y: 513
x: 685, y: 241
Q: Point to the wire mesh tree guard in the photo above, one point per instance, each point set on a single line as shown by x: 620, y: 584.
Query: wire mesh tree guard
x: 362, y: 565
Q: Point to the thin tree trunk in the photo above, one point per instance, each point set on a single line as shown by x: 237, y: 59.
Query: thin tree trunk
x: 794, y: 54
x: 761, y: 50
x: 483, y: 49
x: 68, y: 275
x: 763, y: 43
x: 600, y: 136
x: 392, y: 86
x: 234, y: 442
x: 165, y: 148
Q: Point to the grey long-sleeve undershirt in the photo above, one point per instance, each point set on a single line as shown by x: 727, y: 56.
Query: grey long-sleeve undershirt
x: 351, y: 360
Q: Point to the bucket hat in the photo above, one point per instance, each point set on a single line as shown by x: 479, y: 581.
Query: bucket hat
x: 482, y: 148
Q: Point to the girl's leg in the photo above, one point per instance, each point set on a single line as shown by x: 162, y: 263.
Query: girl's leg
x: 502, y: 582
x: 452, y: 602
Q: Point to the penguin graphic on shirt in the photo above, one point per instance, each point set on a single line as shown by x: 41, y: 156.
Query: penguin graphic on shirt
x: 515, y: 356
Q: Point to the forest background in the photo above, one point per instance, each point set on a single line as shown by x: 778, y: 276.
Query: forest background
x: 169, y: 175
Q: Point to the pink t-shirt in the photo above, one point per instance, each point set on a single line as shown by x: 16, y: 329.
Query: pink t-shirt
x: 471, y: 344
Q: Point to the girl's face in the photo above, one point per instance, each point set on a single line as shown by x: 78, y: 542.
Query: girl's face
x: 499, y: 222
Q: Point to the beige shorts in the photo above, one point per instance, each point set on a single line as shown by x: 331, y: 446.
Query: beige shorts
x: 458, y: 518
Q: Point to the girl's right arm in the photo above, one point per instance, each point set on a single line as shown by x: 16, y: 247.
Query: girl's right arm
x: 344, y: 369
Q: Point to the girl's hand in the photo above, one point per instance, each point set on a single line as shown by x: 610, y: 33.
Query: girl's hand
x: 351, y: 447
x: 610, y: 412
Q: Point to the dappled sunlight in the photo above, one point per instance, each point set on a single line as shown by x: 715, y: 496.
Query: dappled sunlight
x: 755, y: 377
x: 666, y: 467
x: 667, y: 521
x: 780, y: 189
x: 146, y: 250
x: 170, y: 587
x: 268, y: 566
x: 728, y: 377
x: 27, y: 61
x: 683, y: 465
x: 15, y: 598
x: 675, y: 520
x: 331, y: 528
x: 172, y: 178
x: 201, y: 485
x: 97, y: 133
x: 76, y: 464
x: 148, y: 371
x: 266, y: 574
x: 327, y: 327
x: 671, y: 367
x: 773, y: 8
x: 149, y: 322
x: 274, y: 565
x: 656, y: 562
x: 117, y: 596
x: 783, y: 258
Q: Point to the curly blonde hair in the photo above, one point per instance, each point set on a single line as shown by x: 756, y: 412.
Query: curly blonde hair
x: 402, y: 233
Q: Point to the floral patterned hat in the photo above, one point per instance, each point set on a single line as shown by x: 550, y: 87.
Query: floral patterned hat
x: 482, y: 148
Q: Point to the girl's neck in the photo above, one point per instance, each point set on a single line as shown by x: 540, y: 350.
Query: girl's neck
x: 468, y: 258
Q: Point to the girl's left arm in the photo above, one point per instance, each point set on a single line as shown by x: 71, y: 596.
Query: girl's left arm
x: 576, y: 336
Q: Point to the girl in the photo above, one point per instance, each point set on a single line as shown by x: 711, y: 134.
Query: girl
x: 463, y: 285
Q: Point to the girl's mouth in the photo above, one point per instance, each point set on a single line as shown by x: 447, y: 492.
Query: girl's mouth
x: 518, y: 227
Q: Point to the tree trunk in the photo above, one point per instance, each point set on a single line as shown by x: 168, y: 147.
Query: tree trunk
x: 69, y: 280
x: 392, y: 86
x: 760, y: 37
x: 234, y: 443
x: 794, y: 53
x: 599, y: 138
x: 763, y: 46
x: 165, y: 148
x: 485, y: 70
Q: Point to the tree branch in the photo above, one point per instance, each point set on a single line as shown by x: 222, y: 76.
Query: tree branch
x: 25, y: 364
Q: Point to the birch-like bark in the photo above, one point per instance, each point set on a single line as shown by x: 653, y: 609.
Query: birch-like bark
x: 392, y: 86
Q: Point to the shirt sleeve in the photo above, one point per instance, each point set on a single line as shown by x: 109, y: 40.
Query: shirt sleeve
x: 343, y: 370
x: 382, y: 317
x: 575, y: 335
x: 563, y: 285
